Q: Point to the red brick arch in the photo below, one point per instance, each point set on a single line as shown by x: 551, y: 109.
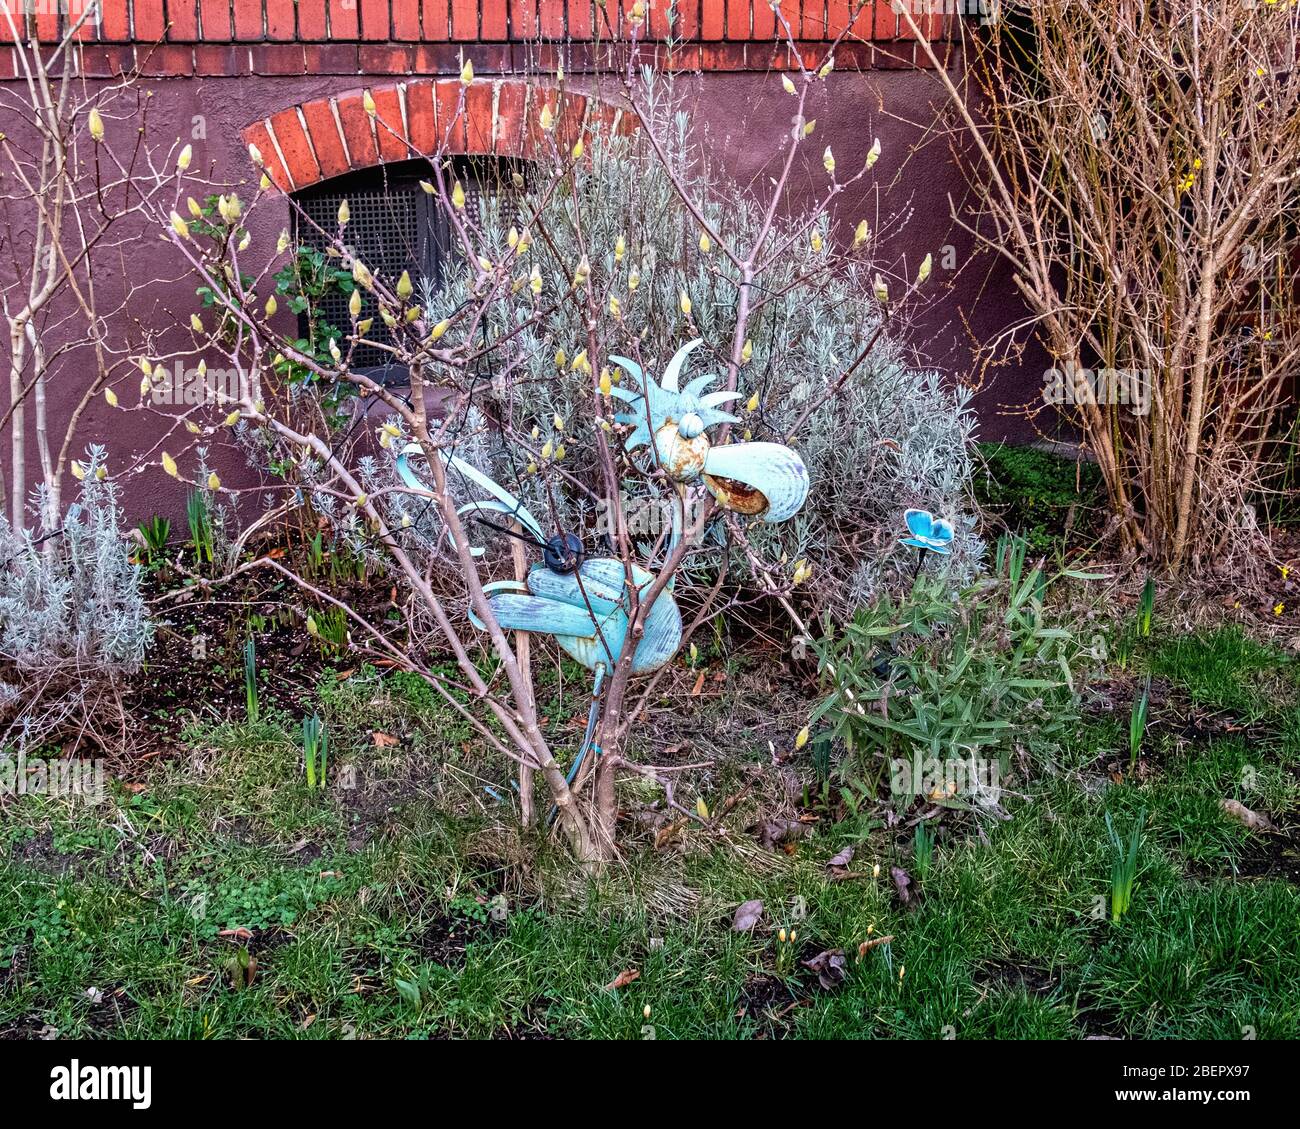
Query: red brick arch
x: 327, y: 137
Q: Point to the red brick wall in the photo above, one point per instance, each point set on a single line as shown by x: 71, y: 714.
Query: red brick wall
x: 284, y: 37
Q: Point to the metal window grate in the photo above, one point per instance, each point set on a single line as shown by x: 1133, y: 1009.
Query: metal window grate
x: 394, y: 226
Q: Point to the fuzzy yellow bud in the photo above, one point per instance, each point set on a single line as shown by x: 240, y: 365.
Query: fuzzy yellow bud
x: 264, y: 182
x: 560, y: 359
x: 438, y: 330
x: 582, y: 272
x: 636, y: 17
x: 547, y: 119
x: 787, y: 85
x: 231, y: 419
x: 809, y: 126
x: 214, y: 483
x: 354, y: 303
x: 458, y: 195
x: 196, y: 323
x: 111, y: 397
x: 282, y: 244
x: 751, y: 405
x: 873, y: 154
x: 828, y: 160
x: 535, y: 280
x: 334, y: 351
x: 360, y: 500
x: 180, y: 226
x: 78, y: 471
x: 525, y: 241
x: 101, y: 473
x: 701, y: 808
x: 615, y: 307
x: 880, y: 290
x: 404, y: 287
x: 361, y: 275
x: 746, y: 352
x: 184, y: 157
x: 485, y: 264
x: 815, y: 240
x: 684, y: 303
x: 169, y: 465
x: 246, y: 240
x: 368, y: 103
x: 706, y: 244
x: 194, y: 208
x: 255, y: 155
x: 606, y: 385
x: 271, y: 306
x: 827, y: 67
x: 557, y: 421
x: 580, y: 363
x: 927, y: 265
x: 578, y: 149
x: 559, y: 452
x: 620, y: 249
x: 801, y: 738
x: 428, y: 188
x: 860, y: 233
x: 512, y: 239
x: 96, y: 124
x: 633, y: 280
x: 547, y: 448
x: 467, y: 72
x: 344, y: 213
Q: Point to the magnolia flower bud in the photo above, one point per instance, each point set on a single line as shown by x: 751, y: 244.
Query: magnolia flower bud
x: 578, y: 149
x: 746, y: 351
x: 255, y: 155
x: 620, y: 249
x: 344, y: 213
x: 535, y: 280
x: 458, y: 196
x: 633, y: 280
x: 684, y: 303
x: 547, y: 119
x: 111, y: 397
x: 816, y: 240
x: 169, y: 465
x: 801, y: 738
x: 439, y: 329
x: 927, y: 265
x: 404, y: 286
x: 467, y: 72
x: 582, y: 272
x: 860, y: 233
x: 428, y: 188
x: 787, y: 85
x: 195, y: 211
x: 354, y: 303
x: 78, y: 471
x: 880, y: 290
x: 706, y: 245
x: 828, y: 160
x: 751, y: 405
x: 606, y: 387
x: 512, y: 237
x: 96, y: 124
x: 368, y: 102
x: 615, y: 307
x: 231, y: 419
x: 271, y: 306
x: 827, y: 67
x: 282, y: 244
x: 873, y: 155
x: 214, y: 483
x: 183, y: 158
x: 196, y: 323
x: 180, y: 226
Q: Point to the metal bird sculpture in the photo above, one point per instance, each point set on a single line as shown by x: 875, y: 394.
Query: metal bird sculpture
x: 764, y: 480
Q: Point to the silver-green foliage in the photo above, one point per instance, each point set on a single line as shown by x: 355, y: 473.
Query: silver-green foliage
x: 73, y: 599
x: 895, y: 436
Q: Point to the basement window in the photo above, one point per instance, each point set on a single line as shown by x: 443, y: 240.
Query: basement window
x: 394, y: 226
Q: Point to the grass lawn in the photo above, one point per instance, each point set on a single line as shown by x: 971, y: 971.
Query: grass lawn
x: 212, y: 895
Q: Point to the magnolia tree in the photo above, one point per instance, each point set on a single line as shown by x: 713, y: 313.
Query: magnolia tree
x: 1139, y: 167
x: 614, y: 334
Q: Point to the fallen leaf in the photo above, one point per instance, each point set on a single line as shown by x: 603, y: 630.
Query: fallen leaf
x: 747, y: 916
x: 623, y: 979
x: 842, y: 859
x: 1252, y: 819
x: 902, y: 880
x: 868, y: 945
x: 699, y: 685
x: 240, y: 934
x: 134, y: 787
x: 384, y: 740
x: 830, y: 967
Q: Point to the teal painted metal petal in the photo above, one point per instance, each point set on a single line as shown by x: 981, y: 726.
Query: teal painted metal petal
x: 589, y: 620
x: 673, y: 370
x: 699, y: 384
x: 775, y: 471
x: 713, y: 399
